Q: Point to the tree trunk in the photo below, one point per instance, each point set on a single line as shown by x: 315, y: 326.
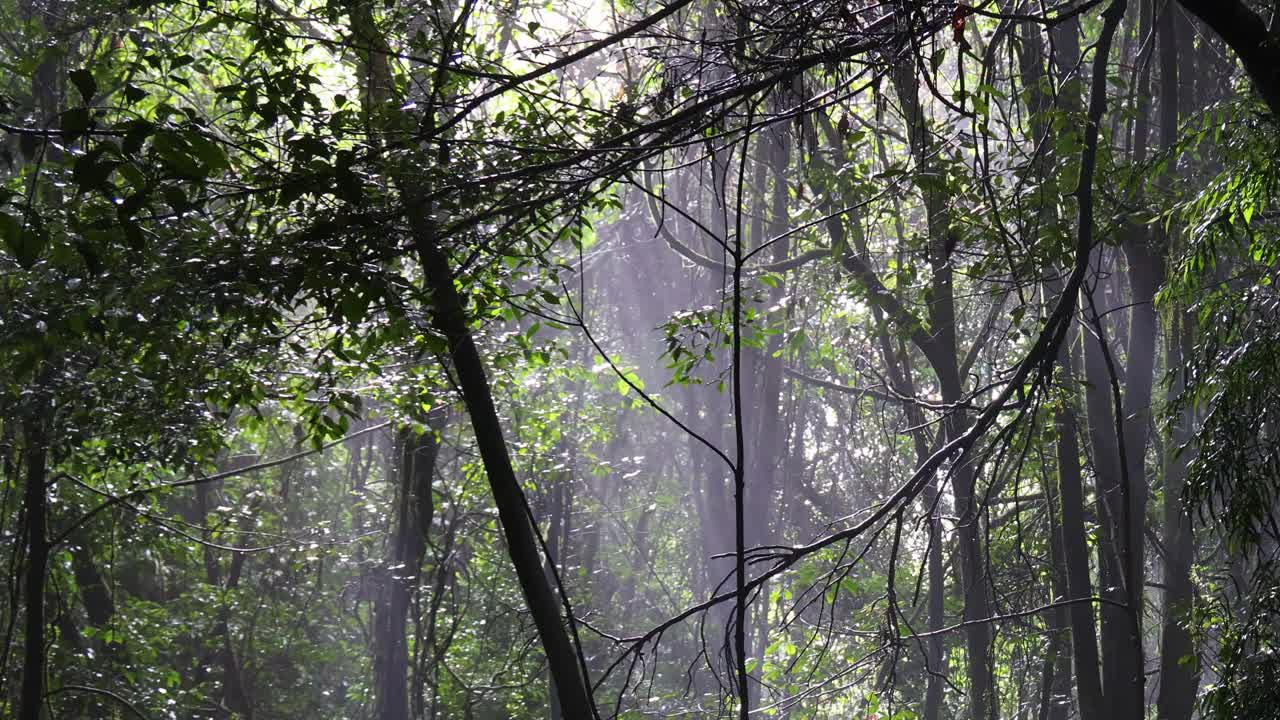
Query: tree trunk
x: 99, y: 606
x: 1108, y: 464
x: 1055, y: 701
x: 35, y: 503
x: 941, y: 351
x: 1179, y: 671
x: 449, y: 317
x: 1075, y: 552
x: 558, y: 522
x: 235, y: 697
x: 413, y: 514
x: 1074, y: 570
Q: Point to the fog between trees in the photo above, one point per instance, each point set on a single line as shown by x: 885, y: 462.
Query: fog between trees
x: 465, y: 359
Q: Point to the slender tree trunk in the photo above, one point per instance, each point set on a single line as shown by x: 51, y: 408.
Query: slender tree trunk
x: 1086, y: 243
x: 1126, y: 498
x: 1145, y: 271
x: 1074, y: 571
x: 449, y: 317
x: 1100, y: 371
x: 436, y: 650
x: 766, y: 433
x: 235, y: 694
x: 99, y: 606
x: 1075, y: 552
x: 557, y: 515
x: 942, y: 356
x: 1055, y: 701
x: 1179, y: 670
x: 36, y: 505
x: 45, y: 92
x: 414, y: 510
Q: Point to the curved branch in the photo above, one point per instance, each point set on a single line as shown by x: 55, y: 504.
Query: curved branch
x: 139, y: 492
x: 99, y: 691
x: 1246, y: 33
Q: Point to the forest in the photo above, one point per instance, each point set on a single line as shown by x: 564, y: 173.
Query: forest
x: 625, y: 359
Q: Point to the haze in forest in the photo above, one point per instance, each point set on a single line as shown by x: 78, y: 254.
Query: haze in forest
x: 410, y: 360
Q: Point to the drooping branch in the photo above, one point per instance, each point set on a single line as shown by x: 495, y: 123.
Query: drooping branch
x: 1246, y: 33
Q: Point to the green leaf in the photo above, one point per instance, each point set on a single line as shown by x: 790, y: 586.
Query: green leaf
x: 92, y: 170
x: 628, y: 381
x: 133, y: 175
x: 936, y: 60
x: 175, y: 153
x: 176, y: 198
x: 136, y: 135
x: 24, y: 242
x: 84, y: 82
x: 208, y: 152
x: 75, y: 123
x: 134, y: 94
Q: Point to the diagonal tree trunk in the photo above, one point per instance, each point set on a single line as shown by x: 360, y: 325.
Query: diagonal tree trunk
x: 449, y: 317
x: 447, y: 312
x: 1252, y: 39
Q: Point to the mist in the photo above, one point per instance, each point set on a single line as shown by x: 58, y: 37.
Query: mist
x: 418, y: 360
